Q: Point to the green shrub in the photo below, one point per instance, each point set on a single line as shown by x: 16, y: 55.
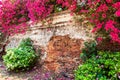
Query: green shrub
x: 25, y: 42
x: 89, y: 50
x: 104, y: 66
x: 20, y: 58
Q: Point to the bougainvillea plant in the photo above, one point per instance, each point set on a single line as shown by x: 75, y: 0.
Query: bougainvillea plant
x: 13, y: 16
x: 15, y: 13
x: 105, y: 15
x: 38, y: 9
x: 70, y: 4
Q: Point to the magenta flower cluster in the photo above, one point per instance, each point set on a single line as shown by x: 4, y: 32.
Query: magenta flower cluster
x: 70, y: 4
x: 105, y: 16
x: 13, y: 17
x: 38, y: 9
x: 15, y: 13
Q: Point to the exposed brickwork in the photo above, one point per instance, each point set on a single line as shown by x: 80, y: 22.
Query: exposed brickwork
x: 63, y: 53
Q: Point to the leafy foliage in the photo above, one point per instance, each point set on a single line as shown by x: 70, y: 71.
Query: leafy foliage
x: 104, y: 66
x: 26, y: 43
x: 22, y: 57
x: 89, y: 50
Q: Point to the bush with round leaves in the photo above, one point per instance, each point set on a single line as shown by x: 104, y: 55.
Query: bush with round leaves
x: 21, y: 58
x: 104, y: 66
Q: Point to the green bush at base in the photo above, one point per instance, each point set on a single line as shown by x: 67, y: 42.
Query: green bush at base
x: 104, y: 66
x: 20, y: 58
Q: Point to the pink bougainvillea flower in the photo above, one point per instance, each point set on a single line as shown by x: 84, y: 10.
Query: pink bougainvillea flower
x: 65, y: 4
x: 117, y: 13
x: 116, y: 5
x: 103, y: 15
x: 0, y: 2
x: 83, y: 11
x: 98, y: 13
x: 114, y: 36
x: 10, y: 14
x: 73, y: 7
x: 109, y: 1
x: 95, y: 15
x: 59, y: 1
x: 98, y: 27
x: 70, y: 4
x: 89, y: 2
x: 99, y: 39
x: 114, y: 31
x: 95, y: 2
x: 102, y: 8
x: 109, y: 25
x: 94, y: 30
x: 22, y: 19
x: 96, y: 22
x: 38, y: 9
